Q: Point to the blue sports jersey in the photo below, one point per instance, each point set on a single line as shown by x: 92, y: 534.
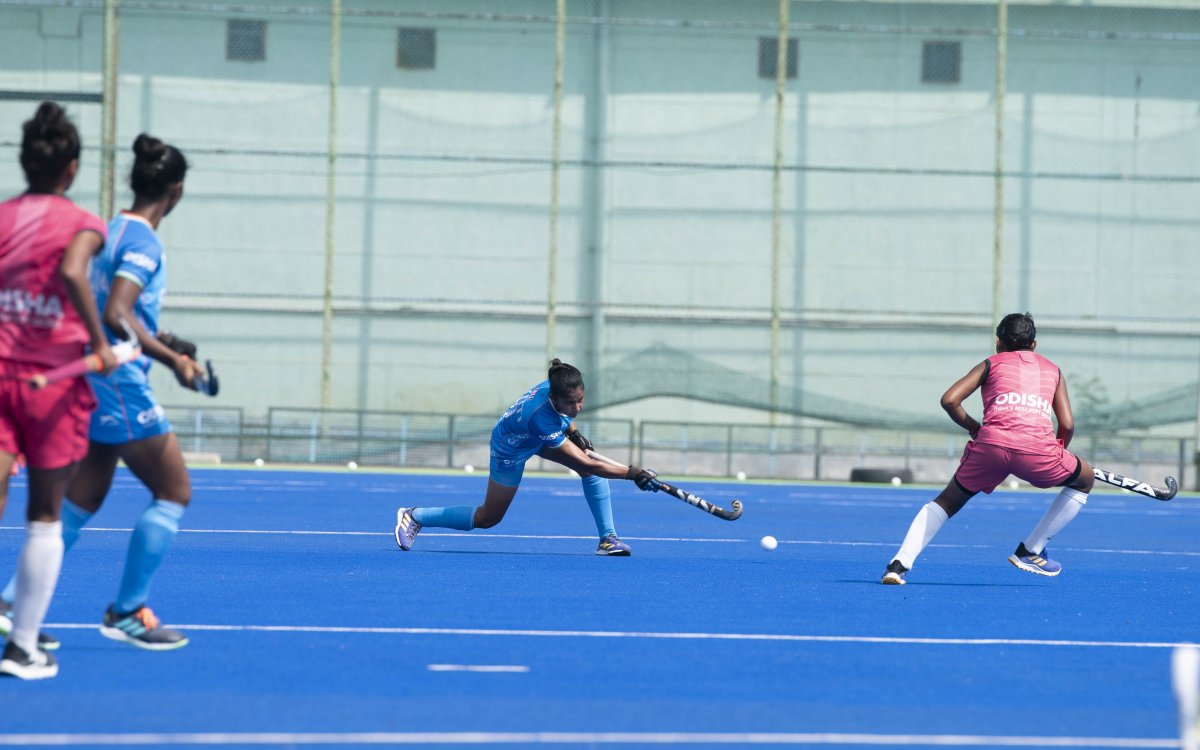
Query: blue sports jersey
x: 529, y: 425
x: 133, y: 252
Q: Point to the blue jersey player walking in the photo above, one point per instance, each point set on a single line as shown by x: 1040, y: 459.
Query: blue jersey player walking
x: 129, y: 278
x: 540, y: 423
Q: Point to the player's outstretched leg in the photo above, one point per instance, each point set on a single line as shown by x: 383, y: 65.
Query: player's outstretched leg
x: 1031, y: 555
x: 599, y: 499
x: 924, y: 527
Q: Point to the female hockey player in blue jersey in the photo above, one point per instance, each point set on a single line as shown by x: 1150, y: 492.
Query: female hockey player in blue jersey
x: 540, y: 423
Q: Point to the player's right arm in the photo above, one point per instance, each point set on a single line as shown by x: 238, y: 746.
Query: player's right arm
x: 1063, y: 413
x: 952, y: 399
x: 74, y: 272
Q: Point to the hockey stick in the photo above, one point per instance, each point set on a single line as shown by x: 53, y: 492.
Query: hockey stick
x: 207, y: 383
x: 126, y: 351
x: 733, y: 514
x: 1133, y: 485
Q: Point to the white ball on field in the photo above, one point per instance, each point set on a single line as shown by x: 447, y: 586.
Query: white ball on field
x: 897, y: 481
x: 768, y: 543
x: 469, y: 469
x: 258, y: 462
x: 351, y: 465
x: 1013, y: 484
x: 741, y: 475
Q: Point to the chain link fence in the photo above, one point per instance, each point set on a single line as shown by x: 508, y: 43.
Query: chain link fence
x: 407, y: 207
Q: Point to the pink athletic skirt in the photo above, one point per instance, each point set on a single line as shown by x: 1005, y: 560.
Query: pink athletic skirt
x: 984, y: 466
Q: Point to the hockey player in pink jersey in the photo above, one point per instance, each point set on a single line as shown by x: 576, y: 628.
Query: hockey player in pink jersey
x: 1022, y: 391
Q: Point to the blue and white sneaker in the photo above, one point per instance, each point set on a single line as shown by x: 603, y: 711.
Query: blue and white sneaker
x: 1034, y: 563
x: 142, y: 629
x: 407, y: 528
x: 611, y: 546
x: 46, y: 642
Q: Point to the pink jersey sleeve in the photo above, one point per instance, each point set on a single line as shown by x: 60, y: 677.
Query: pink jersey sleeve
x: 1018, y: 401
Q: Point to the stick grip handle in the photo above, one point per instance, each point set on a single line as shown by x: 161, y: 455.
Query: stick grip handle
x: 126, y: 351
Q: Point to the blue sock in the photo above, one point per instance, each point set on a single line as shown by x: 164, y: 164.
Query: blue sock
x: 599, y: 500
x: 152, y: 535
x: 461, y: 517
x: 73, y: 519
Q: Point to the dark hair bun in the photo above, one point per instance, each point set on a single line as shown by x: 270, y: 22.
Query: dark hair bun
x: 50, y: 142
x: 149, y: 148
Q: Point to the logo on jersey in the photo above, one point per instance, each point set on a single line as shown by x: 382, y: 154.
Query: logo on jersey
x: 141, y: 260
x: 153, y: 415
x: 552, y: 436
x: 1023, y: 402
x: 109, y: 420
x: 25, y: 308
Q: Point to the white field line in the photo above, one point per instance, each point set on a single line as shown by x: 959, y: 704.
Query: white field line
x: 696, y: 540
x: 497, y: 668
x: 344, y: 739
x: 652, y: 635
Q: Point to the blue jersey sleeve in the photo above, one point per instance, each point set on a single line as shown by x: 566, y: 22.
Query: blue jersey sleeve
x: 549, y: 425
x: 138, y: 258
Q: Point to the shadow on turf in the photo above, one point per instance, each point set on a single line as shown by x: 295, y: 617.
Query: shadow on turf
x: 499, y: 552
x: 939, y: 583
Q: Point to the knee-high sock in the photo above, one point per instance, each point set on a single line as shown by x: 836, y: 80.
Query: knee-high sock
x: 461, y: 517
x: 599, y: 500
x: 73, y: 519
x: 927, y: 523
x: 37, y: 575
x: 1061, y: 512
x: 152, y: 535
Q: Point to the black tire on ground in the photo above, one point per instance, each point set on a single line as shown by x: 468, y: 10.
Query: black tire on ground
x: 881, y: 476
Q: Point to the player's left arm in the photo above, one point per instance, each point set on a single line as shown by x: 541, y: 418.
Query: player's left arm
x: 954, y: 396
x: 74, y: 272
x: 1062, y: 411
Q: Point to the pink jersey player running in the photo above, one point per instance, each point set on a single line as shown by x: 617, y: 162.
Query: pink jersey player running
x: 47, y: 317
x: 1022, y: 393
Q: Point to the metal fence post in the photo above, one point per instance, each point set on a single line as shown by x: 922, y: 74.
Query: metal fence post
x: 450, y: 443
x: 729, y: 450
x: 313, y: 432
x: 817, y: 454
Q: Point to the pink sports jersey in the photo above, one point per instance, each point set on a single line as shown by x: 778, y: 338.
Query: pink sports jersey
x: 1018, y: 402
x: 38, y: 323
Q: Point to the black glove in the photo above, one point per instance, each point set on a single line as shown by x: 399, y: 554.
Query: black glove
x: 645, y: 479
x: 576, y: 437
x: 177, y: 345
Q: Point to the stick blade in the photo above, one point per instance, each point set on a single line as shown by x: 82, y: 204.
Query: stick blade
x: 734, y: 512
x: 1172, y: 489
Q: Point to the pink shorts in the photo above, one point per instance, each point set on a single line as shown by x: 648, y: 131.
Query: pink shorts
x: 984, y: 466
x: 50, y: 426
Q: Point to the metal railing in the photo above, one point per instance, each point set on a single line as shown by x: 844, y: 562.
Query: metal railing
x: 454, y: 441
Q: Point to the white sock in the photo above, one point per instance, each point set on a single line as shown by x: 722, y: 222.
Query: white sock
x: 1061, y: 512
x: 1185, y: 674
x: 37, y: 575
x: 925, y: 526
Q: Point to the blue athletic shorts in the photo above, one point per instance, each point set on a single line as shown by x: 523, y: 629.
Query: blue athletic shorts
x: 127, y: 409
x: 507, y: 469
